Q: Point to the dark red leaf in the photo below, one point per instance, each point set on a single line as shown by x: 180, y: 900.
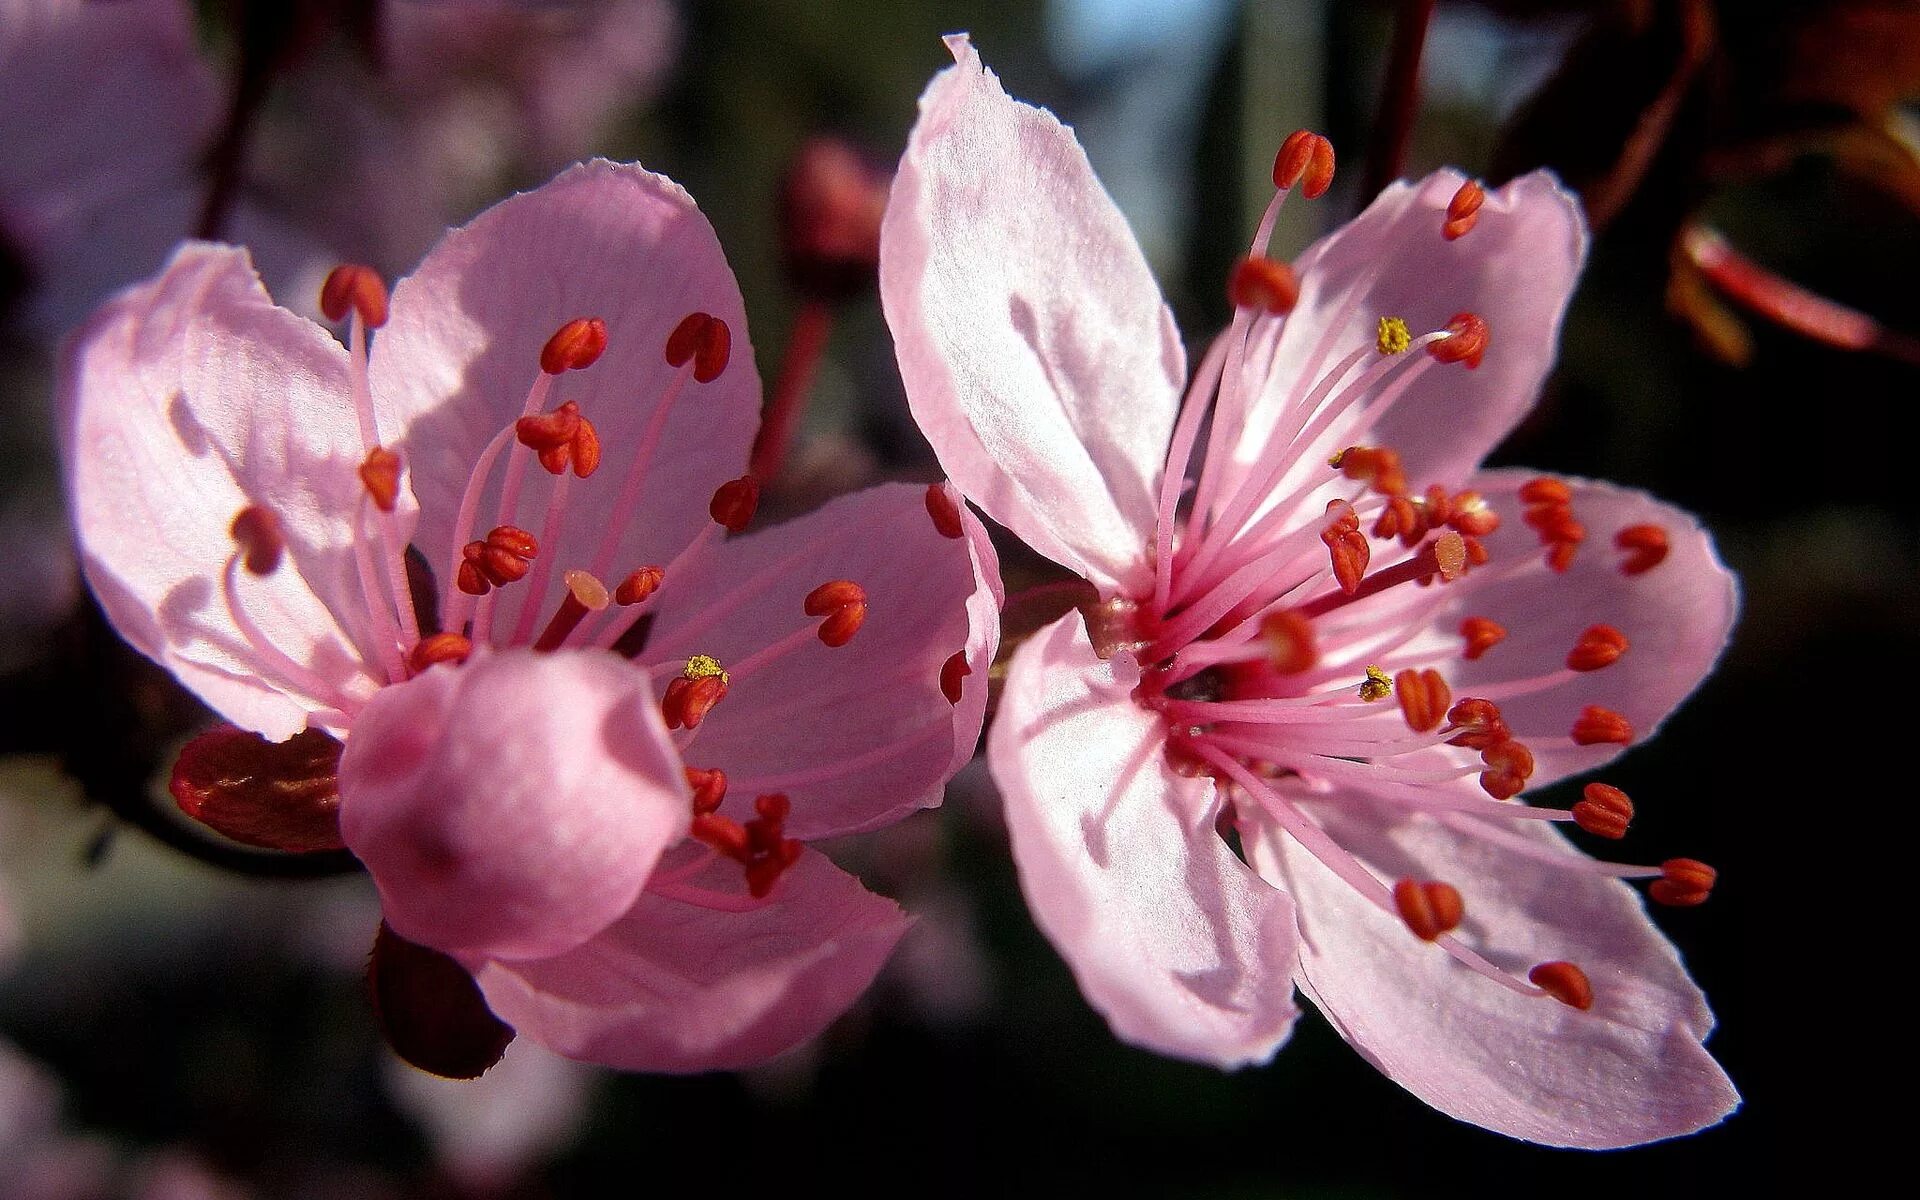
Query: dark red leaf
x: 431, y: 1011
x: 280, y: 795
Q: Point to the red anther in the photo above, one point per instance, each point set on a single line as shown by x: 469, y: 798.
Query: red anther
x: 549, y: 430
x: 359, y: 288
x: 734, y: 503
x: 1560, y: 556
x: 773, y: 807
x: 1296, y: 153
x: 1545, y: 490
x: 1509, y: 766
x: 688, y: 701
x: 1319, y: 173
x: 1683, y: 883
x: 1424, y: 698
x: 1453, y: 231
x: 435, y: 648
x: 1471, y: 517
x: 944, y: 511
x: 1564, y: 982
x: 1450, y: 555
x: 585, y: 450
x: 1605, y: 811
x: 1376, y: 466
x: 1430, y: 908
x: 1596, y: 725
x: 706, y: 340
x: 499, y: 560
x: 1646, y: 547
x: 1466, y: 200
x: 1476, y: 724
x: 952, y: 674
x: 574, y: 346
x: 1477, y: 552
x: 1599, y: 646
x: 380, y: 475
x: 829, y: 596
x: 1482, y: 635
x: 1346, y: 546
x: 1400, y: 519
x: 1466, y: 341
x: 256, y: 531
x: 840, y: 626
x: 1291, y: 649
x: 1263, y: 283
x: 709, y: 788
x: 763, y: 873
x: 724, y: 834
x: 638, y: 586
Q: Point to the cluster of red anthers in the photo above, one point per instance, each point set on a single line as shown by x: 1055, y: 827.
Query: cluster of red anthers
x: 759, y: 845
x: 1252, y: 711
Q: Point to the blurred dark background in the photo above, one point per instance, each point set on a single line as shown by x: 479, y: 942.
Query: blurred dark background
x: 178, y: 1024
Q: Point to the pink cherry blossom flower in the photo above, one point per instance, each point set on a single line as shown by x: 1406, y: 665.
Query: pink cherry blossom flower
x: 555, y: 415
x: 1234, y: 681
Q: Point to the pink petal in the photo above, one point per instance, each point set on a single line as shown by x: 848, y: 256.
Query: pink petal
x: 454, y: 365
x: 188, y: 398
x: 513, y: 806
x: 1676, y: 618
x: 677, y: 987
x: 1516, y: 270
x: 1169, y: 935
x: 1038, y: 357
x: 858, y: 735
x: 1630, y: 1070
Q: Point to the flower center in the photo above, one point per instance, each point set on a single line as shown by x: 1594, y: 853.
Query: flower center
x: 1279, y: 622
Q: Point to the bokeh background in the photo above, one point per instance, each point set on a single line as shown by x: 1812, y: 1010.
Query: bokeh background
x: 182, y: 1020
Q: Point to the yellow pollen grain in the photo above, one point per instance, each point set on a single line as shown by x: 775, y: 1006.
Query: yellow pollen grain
x: 704, y: 666
x: 1376, y: 686
x: 1394, y: 337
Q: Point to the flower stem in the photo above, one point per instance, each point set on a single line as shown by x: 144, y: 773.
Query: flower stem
x: 792, y: 389
x: 1399, y: 99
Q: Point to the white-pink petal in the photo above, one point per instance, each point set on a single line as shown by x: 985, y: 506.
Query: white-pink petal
x: 1182, y: 948
x: 1038, y: 356
x: 1630, y: 1070
x: 513, y: 806
x: 186, y: 399
x: 682, y: 988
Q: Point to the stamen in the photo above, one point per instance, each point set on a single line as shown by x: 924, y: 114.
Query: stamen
x: 504, y: 557
x: 356, y: 288
x: 709, y: 788
x: 1683, y: 883
x: 256, y: 530
x: 380, y: 474
x: 1564, y: 982
x: 734, y: 503
x: 1305, y: 158
x: 1393, y: 337
x: 584, y: 594
x: 636, y: 587
x: 844, y: 605
x: 1263, y: 283
x: 1466, y: 341
x: 1600, y: 646
x: 1476, y: 724
x: 1471, y: 517
x: 1604, y: 811
x: 952, y: 674
x: 561, y: 439
x: 1646, y: 547
x: 450, y: 648
x: 1290, y: 643
x: 1481, y: 636
x: 692, y: 695
x: 704, y: 340
x: 1376, y: 686
x: 1463, y: 211
x: 945, y: 511
x: 1509, y: 766
x: 575, y: 346
x: 1429, y: 908
x: 1597, y: 725
x: 1347, y: 547
x: 1424, y: 698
